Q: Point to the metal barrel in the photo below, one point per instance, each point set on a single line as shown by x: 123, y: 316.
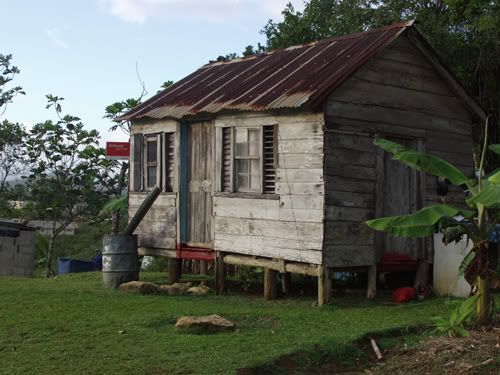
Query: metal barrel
x: 120, y: 263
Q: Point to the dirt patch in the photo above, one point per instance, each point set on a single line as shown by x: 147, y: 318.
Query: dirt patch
x: 479, y: 353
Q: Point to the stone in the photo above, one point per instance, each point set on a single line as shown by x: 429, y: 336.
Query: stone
x: 183, y: 286
x: 141, y: 287
x: 204, y: 324
x: 172, y: 290
x: 201, y: 290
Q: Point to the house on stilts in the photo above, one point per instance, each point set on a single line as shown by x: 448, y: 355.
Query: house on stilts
x: 269, y: 160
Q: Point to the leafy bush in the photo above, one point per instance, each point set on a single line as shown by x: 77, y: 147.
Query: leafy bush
x: 464, y: 312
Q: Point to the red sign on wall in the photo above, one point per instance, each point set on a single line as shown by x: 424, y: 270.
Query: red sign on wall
x: 117, y: 150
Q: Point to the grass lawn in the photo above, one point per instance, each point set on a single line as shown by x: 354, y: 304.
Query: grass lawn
x: 71, y: 325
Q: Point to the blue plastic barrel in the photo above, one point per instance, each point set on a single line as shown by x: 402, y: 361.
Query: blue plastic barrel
x: 68, y: 265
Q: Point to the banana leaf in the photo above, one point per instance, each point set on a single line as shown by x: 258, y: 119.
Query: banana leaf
x: 114, y: 205
x: 420, y: 224
x: 495, y: 148
x: 423, y: 162
x: 488, y: 197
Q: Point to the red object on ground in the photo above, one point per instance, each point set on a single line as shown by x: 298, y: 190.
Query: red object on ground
x: 117, y: 150
x: 404, y: 294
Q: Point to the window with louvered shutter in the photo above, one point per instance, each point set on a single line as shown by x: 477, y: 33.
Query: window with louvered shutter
x: 269, y: 158
x: 227, y: 162
x: 249, y: 159
x: 169, y: 154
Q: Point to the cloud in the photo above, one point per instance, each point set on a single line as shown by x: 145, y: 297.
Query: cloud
x: 54, y: 34
x: 139, y: 11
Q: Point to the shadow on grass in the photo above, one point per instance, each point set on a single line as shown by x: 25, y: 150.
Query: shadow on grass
x: 335, y: 357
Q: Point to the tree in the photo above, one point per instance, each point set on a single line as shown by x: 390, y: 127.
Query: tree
x: 12, y: 152
x: 12, y: 146
x: 7, y: 73
x: 67, y: 172
x: 464, y: 33
x: 479, y: 221
x: 113, y: 112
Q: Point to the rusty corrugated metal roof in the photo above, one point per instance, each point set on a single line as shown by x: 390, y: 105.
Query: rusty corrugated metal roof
x: 286, y: 78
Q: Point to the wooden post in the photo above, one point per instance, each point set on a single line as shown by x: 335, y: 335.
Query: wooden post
x: 371, y: 290
x: 324, y: 286
x: 220, y: 272
x: 422, y: 275
x: 286, y: 281
x: 270, y: 285
x: 174, y: 270
x: 203, y: 267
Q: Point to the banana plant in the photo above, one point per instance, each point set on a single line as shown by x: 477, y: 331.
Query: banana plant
x: 477, y: 222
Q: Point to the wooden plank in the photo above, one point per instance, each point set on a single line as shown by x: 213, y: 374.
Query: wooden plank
x: 163, y: 200
x: 303, y: 188
x: 301, y: 214
x: 345, y: 233
x: 350, y: 171
x: 349, y: 199
x: 252, y: 242
x: 422, y: 46
x: 349, y: 255
x: 350, y: 185
x: 356, y: 142
x: 313, y: 202
x: 371, y: 118
x: 153, y: 241
x: 301, y: 131
x: 324, y: 286
x: 403, y: 51
x: 296, y: 161
x: 300, y: 146
x: 241, y: 245
x: 383, y: 95
x: 347, y: 156
x: 371, y: 291
x: 154, y: 126
x: 270, y: 284
x: 158, y: 228
x: 168, y: 214
x: 247, y: 208
x: 352, y: 214
x: 404, y: 75
x: 300, y: 175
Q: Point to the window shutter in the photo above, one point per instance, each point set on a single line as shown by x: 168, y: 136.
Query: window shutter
x: 169, y: 161
x: 269, y: 158
x: 137, y: 162
x: 227, y: 163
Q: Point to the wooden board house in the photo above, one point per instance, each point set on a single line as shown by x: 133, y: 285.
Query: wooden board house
x: 269, y: 160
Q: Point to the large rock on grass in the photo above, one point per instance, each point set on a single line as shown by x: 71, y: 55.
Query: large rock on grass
x: 201, y: 290
x: 204, y: 324
x: 141, y: 287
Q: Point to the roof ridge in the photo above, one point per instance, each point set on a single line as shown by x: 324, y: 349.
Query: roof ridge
x: 358, y: 34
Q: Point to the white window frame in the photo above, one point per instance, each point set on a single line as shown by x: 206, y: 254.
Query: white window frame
x: 145, y: 167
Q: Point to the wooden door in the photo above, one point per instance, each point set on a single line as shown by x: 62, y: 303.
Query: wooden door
x: 397, y: 194
x: 201, y: 168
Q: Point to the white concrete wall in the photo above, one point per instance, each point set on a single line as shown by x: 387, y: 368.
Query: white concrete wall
x: 447, y: 260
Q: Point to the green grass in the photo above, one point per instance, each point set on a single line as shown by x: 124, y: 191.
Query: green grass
x: 71, y: 325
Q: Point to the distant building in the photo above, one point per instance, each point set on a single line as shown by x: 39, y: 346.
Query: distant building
x: 46, y: 227
x: 17, y: 249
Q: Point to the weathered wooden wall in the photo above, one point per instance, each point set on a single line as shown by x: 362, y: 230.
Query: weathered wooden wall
x: 289, y: 224
x: 397, y: 92
x: 158, y: 230
x: 17, y: 254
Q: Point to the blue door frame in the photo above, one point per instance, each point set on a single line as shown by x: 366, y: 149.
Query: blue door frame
x: 183, y: 181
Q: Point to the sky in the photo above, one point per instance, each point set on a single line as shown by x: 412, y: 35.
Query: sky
x: 86, y: 51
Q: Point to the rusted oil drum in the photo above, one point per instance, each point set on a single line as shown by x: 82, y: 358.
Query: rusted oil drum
x: 120, y: 263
